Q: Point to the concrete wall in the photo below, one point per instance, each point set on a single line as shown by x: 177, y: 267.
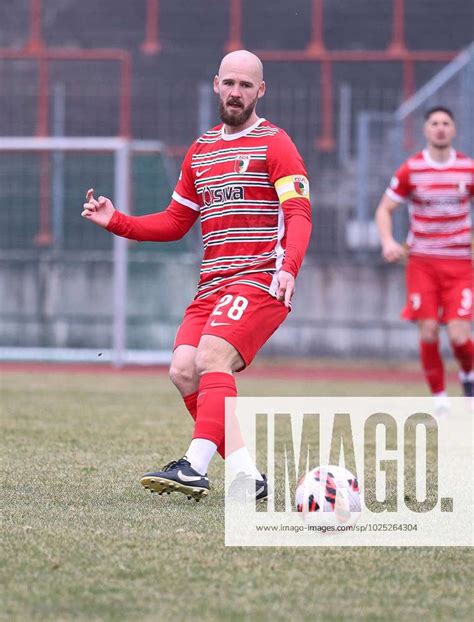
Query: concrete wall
x: 66, y: 301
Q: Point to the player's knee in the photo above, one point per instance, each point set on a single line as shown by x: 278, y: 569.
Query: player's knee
x: 429, y: 336
x: 182, y: 376
x: 205, y: 361
x: 459, y: 334
x: 429, y: 332
x: 458, y: 340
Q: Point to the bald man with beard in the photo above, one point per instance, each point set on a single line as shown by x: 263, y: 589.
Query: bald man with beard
x: 239, y: 111
x: 247, y: 183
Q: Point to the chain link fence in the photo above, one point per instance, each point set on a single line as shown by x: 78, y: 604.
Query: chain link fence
x: 385, y: 140
x: 58, y: 272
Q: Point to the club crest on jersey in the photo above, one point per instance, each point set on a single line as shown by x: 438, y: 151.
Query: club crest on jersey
x: 242, y: 162
x: 301, y: 185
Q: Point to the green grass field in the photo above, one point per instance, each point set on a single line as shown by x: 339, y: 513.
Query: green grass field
x: 81, y: 540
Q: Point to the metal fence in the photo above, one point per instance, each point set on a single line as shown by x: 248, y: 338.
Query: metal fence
x: 374, y: 131
x: 58, y: 275
x: 48, y: 187
x: 385, y: 140
x: 41, y: 193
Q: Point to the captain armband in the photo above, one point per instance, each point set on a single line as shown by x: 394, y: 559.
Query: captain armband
x: 292, y: 187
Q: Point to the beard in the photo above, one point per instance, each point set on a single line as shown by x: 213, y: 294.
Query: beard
x: 440, y: 143
x: 235, y: 119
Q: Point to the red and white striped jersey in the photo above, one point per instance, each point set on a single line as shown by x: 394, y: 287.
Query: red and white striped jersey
x: 243, y: 185
x: 439, y: 196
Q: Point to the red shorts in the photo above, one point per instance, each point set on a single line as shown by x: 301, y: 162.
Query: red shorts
x: 438, y: 289
x: 243, y: 315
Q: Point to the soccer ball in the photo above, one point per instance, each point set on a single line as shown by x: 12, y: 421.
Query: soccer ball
x: 328, y: 495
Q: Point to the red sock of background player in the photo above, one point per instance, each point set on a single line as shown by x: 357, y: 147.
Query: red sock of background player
x: 464, y: 354
x: 432, y: 366
x: 209, y: 429
x: 190, y: 402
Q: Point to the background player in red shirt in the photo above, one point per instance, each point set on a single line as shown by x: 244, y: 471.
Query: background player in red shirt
x: 438, y: 183
x: 247, y: 182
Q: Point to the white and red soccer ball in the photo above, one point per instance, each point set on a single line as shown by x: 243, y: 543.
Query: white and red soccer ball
x: 329, y: 495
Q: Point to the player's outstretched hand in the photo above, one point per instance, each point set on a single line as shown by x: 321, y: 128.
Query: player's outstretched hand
x: 286, y: 287
x: 392, y: 251
x: 99, y: 211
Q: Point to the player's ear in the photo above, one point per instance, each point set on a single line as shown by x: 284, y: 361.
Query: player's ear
x: 216, y: 84
x: 261, y: 89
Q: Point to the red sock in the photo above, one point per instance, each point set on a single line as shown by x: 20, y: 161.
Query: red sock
x: 464, y: 354
x: 432, y: 365
x: 190, y: 402
x: 214, y: 387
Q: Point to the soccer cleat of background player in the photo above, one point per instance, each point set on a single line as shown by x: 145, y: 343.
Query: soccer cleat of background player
x: 438, y: 183
x: 248, y: 184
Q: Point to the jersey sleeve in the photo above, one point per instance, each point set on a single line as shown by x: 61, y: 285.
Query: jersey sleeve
x: 297, y: 219
x: 288, y: 174
x: 286, y: 169
x: 166, y: 226
x: 399, y: 188
x: 185, y: 190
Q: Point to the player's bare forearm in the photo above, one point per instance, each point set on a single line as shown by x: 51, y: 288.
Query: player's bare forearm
x: 383, y: 218
x: 392, y: 251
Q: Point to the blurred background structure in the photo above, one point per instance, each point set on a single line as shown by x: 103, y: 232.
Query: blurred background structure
x: 109, y: 95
